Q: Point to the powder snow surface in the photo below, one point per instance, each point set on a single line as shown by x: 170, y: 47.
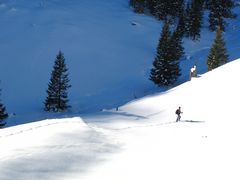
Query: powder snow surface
x: 109, y: 51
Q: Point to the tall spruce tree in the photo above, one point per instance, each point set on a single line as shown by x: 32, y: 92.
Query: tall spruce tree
x: 181, y: 26
x: 177, y: 49
x: 57, y: 98
x: 165, y: 69
x: 168, y: 10
x: 195, y: 16
x: 3, y: 113
x: 187, y: 20
x: 218, y: 53
x: 219, y: 11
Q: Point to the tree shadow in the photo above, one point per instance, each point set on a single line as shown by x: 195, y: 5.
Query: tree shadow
x: 192, y: 121
x: 106, y: 116
x: 134, y: 116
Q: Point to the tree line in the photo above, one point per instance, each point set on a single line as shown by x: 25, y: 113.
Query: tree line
x: 189, y: 11
x: 184, y: 19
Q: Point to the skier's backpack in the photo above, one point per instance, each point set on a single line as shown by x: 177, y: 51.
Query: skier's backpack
x: 177, y: 111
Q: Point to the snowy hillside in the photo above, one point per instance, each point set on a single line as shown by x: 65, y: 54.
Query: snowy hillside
x: 140, y: 141
x: 105, y: 53
x: 109, y: 51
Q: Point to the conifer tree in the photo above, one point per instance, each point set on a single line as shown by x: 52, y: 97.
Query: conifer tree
x: 168, y: 10
x: 151, y: 4
x: 218, y: 53
x: 176, y: 47
x: 177, y: 9
x: 195, y: 16
x: 3, y: 113
x: 187, y: 19
x: 181, y: 26
x: 57, y: 98
x: 161, y: 10
x: 165, y: 69
x: 219, y: 11
x: 138, y: 5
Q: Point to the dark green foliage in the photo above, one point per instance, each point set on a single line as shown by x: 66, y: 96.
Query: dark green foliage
x: 138, y: 5
x: 218, y: 53
x: 176, y: 48
x: 3, y: 113
x: 165, y: 69
x: 177, y: 8
x: 57, y: 98
x: 168, y: 10
x: 219, y: 11
x: 162, y: 9
x: 187, y: 19
x: 181, y: 26
x: 151, y: 4
x: 194, y: 19
x: 173, y: 11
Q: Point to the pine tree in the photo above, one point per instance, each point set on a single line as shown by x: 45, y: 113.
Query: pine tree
x: 219, y: 11
x: 138, y: 5
x: 187, y: 20
x: 57, y: 98
x: 177, y: 9
x: 177, y: 49
x: 165, y: 69
x: 151, y: 4
x: 181, y: 26
x: 161, y: 10
x: 3, y: 113
x: 168, y: 10
x: 195, y: 16
x: 218, y: 53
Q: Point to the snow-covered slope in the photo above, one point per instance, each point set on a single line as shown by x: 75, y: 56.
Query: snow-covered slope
x: 109, y: 51
x: 108, y: 57
x: 140, y: 141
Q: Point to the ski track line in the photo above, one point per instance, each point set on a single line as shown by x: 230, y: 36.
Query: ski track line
x: 37, y: 127
x: 127, y: 128
x: 90, y: 125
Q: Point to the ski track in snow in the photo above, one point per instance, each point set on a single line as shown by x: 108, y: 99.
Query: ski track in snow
x: 37, y: 127
x: 94, y: 126
x: 132, y: 127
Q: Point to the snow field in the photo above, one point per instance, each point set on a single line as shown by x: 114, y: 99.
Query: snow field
x: 141, y: 140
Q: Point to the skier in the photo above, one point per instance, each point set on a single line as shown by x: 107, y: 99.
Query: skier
x: 178, y: 112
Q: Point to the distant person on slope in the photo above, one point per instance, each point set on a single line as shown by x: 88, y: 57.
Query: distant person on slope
x: 178, y: 112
